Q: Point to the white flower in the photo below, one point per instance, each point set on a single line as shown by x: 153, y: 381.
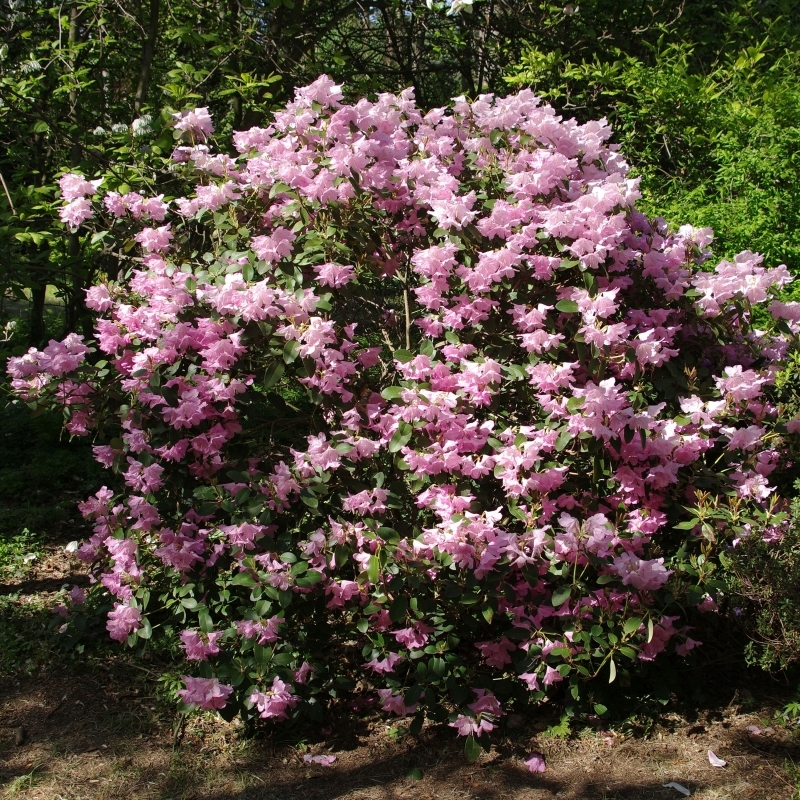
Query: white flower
x: 142, y: 125
x: 457, y: 6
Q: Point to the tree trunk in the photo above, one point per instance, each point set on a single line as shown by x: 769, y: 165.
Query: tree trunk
x: 37, y: 332
x: 148, y: 53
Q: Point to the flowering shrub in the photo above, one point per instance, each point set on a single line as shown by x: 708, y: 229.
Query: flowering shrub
x: 410, y: 408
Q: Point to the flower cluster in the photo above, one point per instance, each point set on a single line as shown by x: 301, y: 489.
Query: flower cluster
x: 413, y: 402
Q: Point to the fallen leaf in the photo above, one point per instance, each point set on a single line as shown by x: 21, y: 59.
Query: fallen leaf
x: 715, y: 761
x: 678, y: 788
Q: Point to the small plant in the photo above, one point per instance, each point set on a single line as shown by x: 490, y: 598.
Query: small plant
x: 763, y: 573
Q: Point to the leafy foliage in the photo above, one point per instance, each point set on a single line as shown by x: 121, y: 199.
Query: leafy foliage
x: 712, y: 120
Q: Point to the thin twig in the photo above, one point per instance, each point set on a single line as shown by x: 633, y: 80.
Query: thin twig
x: 8, y: 194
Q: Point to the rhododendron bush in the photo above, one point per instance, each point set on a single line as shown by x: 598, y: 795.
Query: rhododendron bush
x: 414, y: 410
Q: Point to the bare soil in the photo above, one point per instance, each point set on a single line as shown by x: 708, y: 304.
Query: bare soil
x: 103, y: 734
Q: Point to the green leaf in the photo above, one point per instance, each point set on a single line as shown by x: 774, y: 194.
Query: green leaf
x: 398, y: 609
x: 274, y: 373
x: 205, y: 621
x: 374, y: 568
x: 600, y: 709
x: 291, y: 350
x: 309, y: 499
x: 472, y: 750
x: 560, y: 596
x: 564, y: 438
x: 146, y: 631
x: 574, y: 403
x: 632, y: 625
x: 414, y: 774
x: 403, y: 356
x: 567, y: 306
x: 401, y: 437
x: 309, y: 579
x: 612, y: 671
x: 244, y: 579
x: 392, y: 392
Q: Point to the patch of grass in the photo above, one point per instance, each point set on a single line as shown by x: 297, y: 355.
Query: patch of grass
x: 18, y: 552
x: 23, y: 782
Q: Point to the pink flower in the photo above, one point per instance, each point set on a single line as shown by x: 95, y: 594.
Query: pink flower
x: 486, y: 703
x: 385, y: 665
x: 275, y: 702
x: 301, y: 674
x: 323, y: 761
x: 196, y: 122
x: 76, y: 212
x: 264, y: 631
x: 123, y: 620
x: 684, y: 648
x: 334, y: 275
x: 154, y: 239
x: 74, y: 186
x: 207, y: 693
x: 531, y: 680
x: 77, y: 596
x: 199, y: 646
x: 414, y: 637
x: 641, y: 574
x: 395, y: 703
x: 551, y: 676
x: 98, y: 298
x: 535, y: 762
x: 274, y: 247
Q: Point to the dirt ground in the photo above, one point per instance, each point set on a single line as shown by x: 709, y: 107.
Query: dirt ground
x: 104, y: 735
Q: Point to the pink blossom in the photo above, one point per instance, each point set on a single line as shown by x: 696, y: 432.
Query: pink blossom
x: 275, y: 701
x: 415, y: 636
x: 207, y: 693
x: 334, y: 275
x: 551, y: 676
x: 199, y: 646
x: 302, y: 672
x: 196, y: 122
x: 73, y: 186
x: 155, y: 239
x: 77, y: 596
x: 535, y: 762
x: 641, y: 574
x: 275, y: 246
x: 98, y: 298
x: 323, y: 761
x: 395, y: 704
x: 264, y: 631
x: 76, y: 212
x: 123, y: 620
x: 384, y: 665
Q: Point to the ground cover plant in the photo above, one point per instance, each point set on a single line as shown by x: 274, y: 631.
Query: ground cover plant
x: 414, y: 411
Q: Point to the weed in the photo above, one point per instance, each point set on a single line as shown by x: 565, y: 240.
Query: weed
x: 18, y: 552
x: 22, y: 782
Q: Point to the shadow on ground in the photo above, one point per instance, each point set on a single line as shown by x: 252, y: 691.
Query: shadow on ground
x: 105, y: 736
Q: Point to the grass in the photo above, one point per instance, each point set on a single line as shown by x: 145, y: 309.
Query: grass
x: 23, y: 782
